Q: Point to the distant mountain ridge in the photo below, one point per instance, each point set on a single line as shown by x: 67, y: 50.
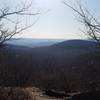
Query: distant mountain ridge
x: 29, y: 42
x: 60, y: 43
x: 77, y: 43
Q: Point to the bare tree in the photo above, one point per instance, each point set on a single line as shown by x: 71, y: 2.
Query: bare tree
x: 15, y: 26
x: 88, y: 20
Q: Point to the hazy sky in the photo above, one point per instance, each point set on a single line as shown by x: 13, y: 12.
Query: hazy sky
x: 57, y: 21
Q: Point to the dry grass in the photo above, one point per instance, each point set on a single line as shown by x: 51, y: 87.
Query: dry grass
x: 9, y: 93
x: 20, y: 93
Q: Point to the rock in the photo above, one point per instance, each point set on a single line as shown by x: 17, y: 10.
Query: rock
x: 57, y: 94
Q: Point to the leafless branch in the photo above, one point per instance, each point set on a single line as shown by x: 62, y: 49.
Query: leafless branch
x: 91, y: 24
x: 6, y: 14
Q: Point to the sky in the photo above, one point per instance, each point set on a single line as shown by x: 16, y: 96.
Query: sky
x: 56, y: 20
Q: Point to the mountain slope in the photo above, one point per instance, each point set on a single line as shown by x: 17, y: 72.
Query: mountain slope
x: 76, y: 44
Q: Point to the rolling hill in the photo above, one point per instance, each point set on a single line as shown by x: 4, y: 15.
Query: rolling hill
x: 71, y: 65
